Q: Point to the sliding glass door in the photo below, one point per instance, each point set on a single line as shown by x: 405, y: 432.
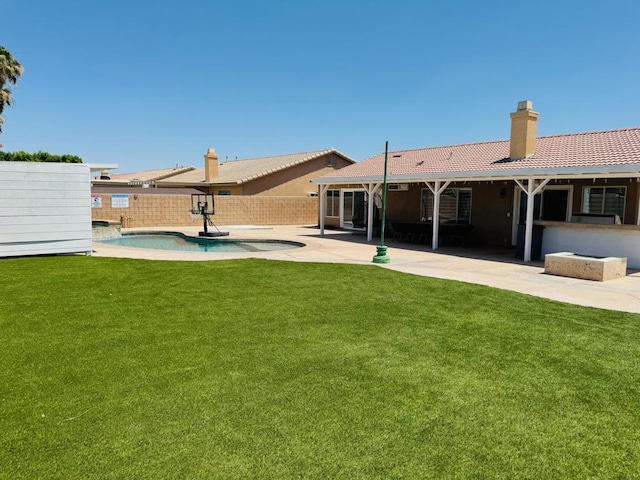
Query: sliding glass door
x: 353, y: 213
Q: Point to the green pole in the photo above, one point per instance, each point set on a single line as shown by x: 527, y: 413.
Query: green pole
x: 381, y: 250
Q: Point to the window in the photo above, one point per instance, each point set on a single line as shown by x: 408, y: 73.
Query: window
x: 604, y: 200
x: 224, y: 192
x: 333, y: 203
x: 455, y: 205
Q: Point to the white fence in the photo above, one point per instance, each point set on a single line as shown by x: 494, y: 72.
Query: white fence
x: 45, y: 208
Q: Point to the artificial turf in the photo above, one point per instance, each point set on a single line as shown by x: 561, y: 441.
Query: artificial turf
x: 114, y: 368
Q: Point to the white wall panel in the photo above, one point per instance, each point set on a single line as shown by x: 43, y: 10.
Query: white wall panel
x: 40, y: 211
x: 45, y: 208
x: 595, y: 242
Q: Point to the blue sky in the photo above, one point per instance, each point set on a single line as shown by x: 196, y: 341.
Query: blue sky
x: 151, y: 84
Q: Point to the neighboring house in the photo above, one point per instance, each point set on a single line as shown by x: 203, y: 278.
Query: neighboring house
x: 268, y: 191
x: 582, y: 188
x: 280, y: 175
x: 140, y: 179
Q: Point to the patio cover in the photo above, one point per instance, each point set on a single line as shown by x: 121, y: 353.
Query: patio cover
x: 603, y: 154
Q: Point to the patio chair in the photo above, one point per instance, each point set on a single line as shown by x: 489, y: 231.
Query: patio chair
x: 392, y: 233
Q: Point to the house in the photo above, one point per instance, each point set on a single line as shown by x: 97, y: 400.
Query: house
x: 280, y: 175
x: 146, y: 178
x: 267, y: 191
x: 574, y: 192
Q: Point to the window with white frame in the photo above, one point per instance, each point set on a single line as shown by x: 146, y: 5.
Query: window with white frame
x: 604, y: 200
x: 455, y: 205
x: 333, y: 203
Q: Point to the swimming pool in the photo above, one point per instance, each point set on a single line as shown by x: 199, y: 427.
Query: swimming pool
x: 184, y: 243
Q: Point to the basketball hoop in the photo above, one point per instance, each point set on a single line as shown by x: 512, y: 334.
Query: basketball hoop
x: 202, y: 205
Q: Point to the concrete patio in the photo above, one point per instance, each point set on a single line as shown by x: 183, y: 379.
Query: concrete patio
x: 495, y: 268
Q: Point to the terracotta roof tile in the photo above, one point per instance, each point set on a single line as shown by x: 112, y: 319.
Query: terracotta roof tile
x: 576, y: 150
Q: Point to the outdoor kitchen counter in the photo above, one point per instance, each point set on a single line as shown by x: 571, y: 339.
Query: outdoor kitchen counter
x: 593, y: 240
x: 588, y: 226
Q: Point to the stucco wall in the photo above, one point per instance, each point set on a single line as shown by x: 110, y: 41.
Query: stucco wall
x: 491, y: 213
x: 233, y: 190
x: 296, y: 180
x: 491, y: 207
x: 167, y: 210
x: 404, y: 206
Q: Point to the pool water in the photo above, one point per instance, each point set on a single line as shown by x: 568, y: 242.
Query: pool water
x: 183, y: 243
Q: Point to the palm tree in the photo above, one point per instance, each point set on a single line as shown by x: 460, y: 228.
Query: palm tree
x: 10, y: 71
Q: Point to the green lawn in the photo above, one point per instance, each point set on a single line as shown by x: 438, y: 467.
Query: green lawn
x: 113, y: 368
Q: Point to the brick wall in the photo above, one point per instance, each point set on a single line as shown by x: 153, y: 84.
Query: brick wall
x: 160, y: 210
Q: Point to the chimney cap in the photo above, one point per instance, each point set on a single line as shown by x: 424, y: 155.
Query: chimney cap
x: 525, y: 105
x: 210, y: 151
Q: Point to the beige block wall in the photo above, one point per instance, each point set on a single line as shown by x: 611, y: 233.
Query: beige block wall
x: 173, y: 210
x: 258, y: 210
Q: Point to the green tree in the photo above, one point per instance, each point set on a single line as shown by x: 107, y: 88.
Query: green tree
x: 38, y: 157
x: 10, y: 71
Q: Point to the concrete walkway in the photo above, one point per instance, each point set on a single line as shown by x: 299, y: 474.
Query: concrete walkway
x: 495, y: 268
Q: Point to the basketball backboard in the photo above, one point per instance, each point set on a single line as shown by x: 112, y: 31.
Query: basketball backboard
x: 198, y: 201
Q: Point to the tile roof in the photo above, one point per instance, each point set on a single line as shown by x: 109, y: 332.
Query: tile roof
x: 150, y: 175
x: 106, y: 189
x: 577, y: 151
x: 241, y: 171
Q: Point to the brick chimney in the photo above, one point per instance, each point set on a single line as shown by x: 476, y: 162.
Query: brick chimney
x: 523, y: 131
x: 210, y: 165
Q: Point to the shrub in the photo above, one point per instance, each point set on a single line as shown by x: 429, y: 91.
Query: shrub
x: 38, y: 157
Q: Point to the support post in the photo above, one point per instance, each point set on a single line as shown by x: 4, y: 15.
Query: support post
x: 436, y: 189
x: 205, y: 219
x: 323, y: 192
x: 371, y: 188
x: 528, y: 232
x: 532, y: 190
x: 435, y: 223
x: 369, y: 213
